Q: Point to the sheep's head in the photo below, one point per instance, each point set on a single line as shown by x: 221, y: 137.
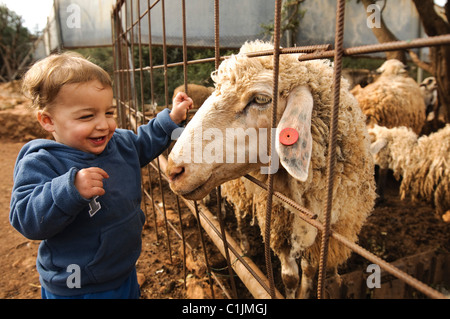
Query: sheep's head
x: 389, y: 146
x: 229, y: 135
x: 393, y: 67
x: 429, y: 90
x: 380, y: 137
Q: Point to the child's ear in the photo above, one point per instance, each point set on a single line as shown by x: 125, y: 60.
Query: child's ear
x: 46, y: 121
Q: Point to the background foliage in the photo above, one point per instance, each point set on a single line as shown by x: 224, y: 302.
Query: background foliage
x: 16, y: 44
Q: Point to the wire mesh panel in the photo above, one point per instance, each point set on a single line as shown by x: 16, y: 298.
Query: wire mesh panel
x: 142, y: 77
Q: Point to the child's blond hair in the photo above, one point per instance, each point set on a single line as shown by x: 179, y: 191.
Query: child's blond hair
x: 45, y: 78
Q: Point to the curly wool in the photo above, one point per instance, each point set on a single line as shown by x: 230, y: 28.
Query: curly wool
x: 423, y: 163
x: 393, y: 100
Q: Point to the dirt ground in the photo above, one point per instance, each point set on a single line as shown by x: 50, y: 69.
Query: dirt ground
x: 394, y: 230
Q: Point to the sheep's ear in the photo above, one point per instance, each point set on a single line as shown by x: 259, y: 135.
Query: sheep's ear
x: 376, y: 146
x: 293, y: 134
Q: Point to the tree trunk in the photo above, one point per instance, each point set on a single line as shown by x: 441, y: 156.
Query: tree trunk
x: 383, y: 34
x: 439, y: 55
x: 4, y: 54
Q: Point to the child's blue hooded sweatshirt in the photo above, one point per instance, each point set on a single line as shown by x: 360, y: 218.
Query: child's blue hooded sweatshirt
x: 45, y: 205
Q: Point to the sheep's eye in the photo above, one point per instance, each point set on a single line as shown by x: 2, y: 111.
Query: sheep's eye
x: 258, y: 101
x: 262, y: 99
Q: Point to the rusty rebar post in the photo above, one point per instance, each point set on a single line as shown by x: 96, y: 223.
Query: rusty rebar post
x: 221, y: 219
x: 339, y: 48
x: 218, y: 189
x: 133, y: 70
x: 141, y: 72
x: 216, y: 34
x: 163, y: 201
x: 183, y: 242
x: 150, y: 58
x: 166, y: 79
x: 127, y: 75
x: 276, y: 64
x: 208, y: 268
x: 183, y: 13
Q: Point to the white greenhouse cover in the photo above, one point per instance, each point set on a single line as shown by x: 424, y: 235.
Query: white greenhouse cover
x: 87, y: 23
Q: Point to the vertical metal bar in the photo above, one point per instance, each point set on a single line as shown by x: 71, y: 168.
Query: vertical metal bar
x: 183, y: 241
x: 218, y: 189
x: 141, y: 78
x: 152, y: 101
x: 204, y: 248
x: 121, y: 94
x: 115, y: 52
x: 165, y: 212
x: 221, y: 218
x: 183, y: 12
x: 216, y: 33
x: 153, y: 202
x: 126, y: 70
x: 141, y: 73
x: 150, y: 57
x: 276, y: 60
x: 133, y: 69
x: 166, y: 81
x: 166, y: 99
x: 339, y: 49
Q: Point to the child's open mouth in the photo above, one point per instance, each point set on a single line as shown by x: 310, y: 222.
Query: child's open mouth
x: 98, y: 140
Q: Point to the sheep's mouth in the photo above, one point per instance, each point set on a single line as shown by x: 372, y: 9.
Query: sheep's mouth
x: 196, y: 194
x: 199, y: 192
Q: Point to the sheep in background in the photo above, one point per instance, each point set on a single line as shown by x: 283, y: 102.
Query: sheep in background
x: 423, y: 163
x: 198, y: 93
x: 243, y: 99
x: 434, y: 118
x: 361, y: 77
x: 428, y: 87
x: 393, y: 99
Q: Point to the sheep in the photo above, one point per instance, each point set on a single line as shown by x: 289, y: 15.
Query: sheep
x: 393, y: 99
x: 422, y: 162
x: 361, y: 77
x: 198, y: 93
x: 429, y: 90
x: 242, y: 100
x: 434, y: 118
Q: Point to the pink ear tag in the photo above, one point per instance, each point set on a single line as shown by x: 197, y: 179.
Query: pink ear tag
x: 288, y: 136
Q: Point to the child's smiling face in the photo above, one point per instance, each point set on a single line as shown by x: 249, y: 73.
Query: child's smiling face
x: 81, y: 116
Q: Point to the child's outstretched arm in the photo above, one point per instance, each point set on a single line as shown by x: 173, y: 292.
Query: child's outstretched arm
x: 181, y: 104
x: 155, y: 136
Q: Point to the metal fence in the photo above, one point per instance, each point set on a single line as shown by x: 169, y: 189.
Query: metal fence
x: 132, y: 99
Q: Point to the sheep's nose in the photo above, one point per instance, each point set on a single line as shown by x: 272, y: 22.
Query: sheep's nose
x: 175, y: 172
